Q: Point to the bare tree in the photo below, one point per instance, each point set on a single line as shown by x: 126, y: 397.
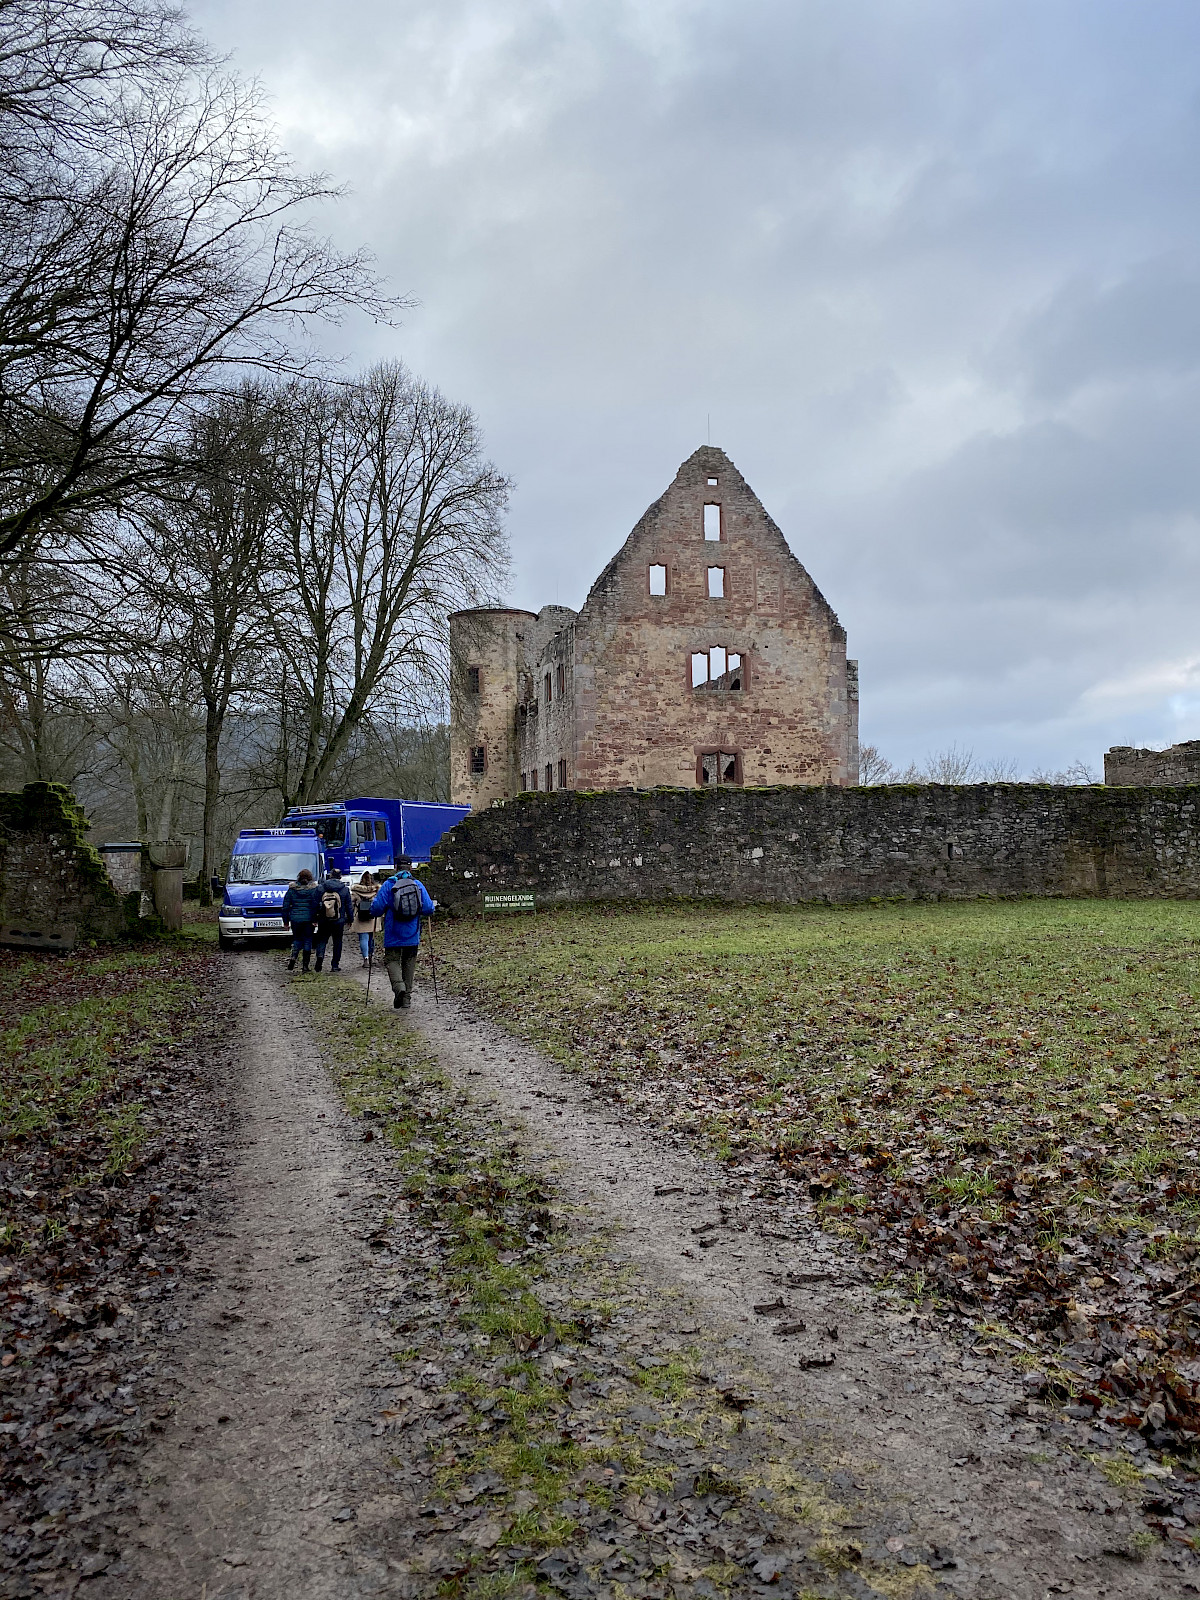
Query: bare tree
x: 1075, y: 772
x: 950, y: 765
x: 51, y: 617
x: 153, y: 725
x: 874, y: 768
x: 205, y: 555
x: 391, y: 519
x: 151, y: 244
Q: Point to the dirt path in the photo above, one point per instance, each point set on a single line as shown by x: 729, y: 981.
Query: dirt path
x: 273, y: 1434
x: 1022, y: 1513
x: 299, y: 1463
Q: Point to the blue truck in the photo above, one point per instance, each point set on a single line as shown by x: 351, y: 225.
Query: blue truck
x: 367, y: 835
x: 263, y: 863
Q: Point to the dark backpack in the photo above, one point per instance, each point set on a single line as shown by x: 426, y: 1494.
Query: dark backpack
x: 406, y: 899
x: 331, y: 906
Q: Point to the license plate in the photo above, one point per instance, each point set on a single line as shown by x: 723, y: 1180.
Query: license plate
x: 268, y: 922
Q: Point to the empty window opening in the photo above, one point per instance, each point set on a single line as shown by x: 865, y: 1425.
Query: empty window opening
x: 658, y: 579
x: 712, y: 522
x: 717, y: 668
x: 524, y: 785
x: 549, y: 690
x: 712, y: 483
x: 719, y: 766
x: 716, y: 583
x: 472, y: 680
x: 478, y: 758
x: 561, y: 680
x: 562, y: 774
x: 549, y: 777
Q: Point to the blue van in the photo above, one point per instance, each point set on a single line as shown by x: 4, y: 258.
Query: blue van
x: 263, y: 863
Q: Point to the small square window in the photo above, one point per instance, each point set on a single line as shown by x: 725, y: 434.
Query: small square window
x: 658, y: 579
x: 712, y: 522
x: 478, y: 758
x: 712, y: 483
x: 716, y: 583
x: 472, y: 680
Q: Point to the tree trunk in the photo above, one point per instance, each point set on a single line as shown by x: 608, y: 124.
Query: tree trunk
x: 212, y: 797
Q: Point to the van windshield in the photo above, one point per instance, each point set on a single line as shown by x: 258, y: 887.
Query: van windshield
x: 263, y: 866
x: 331, y: 829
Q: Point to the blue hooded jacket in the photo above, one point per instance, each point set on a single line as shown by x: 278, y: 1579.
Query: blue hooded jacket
x: 400, y: 934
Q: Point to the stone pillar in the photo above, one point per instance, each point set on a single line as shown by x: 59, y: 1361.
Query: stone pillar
x: 166, y: 859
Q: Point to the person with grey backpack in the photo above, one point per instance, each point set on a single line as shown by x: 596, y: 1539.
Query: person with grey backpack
x: 402, y: 901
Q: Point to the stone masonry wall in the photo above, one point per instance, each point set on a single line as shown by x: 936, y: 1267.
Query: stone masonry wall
x: 792, y: 718
x: 836, y: 844
x: 54, y: 891
x: 1178, y: 764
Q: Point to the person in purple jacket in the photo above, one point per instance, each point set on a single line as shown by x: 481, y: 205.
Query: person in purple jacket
x: 401, y: 935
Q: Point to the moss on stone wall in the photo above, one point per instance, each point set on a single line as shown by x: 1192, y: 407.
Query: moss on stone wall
x: 39, y: 824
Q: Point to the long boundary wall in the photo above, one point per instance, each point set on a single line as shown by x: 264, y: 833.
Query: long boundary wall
x: 839, y: 845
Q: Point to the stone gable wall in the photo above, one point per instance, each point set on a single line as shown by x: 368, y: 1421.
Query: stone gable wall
x: 639, y: 721
x: 788, y: 845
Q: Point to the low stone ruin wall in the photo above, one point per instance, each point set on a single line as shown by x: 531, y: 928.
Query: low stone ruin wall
x: 54, y: 891
x: 839, y: 845
x: 1180, y: 763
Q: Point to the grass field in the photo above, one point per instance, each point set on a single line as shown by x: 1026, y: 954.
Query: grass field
x: 1000, y: 1101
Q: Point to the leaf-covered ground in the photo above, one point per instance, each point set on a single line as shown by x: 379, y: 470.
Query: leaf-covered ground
x: 1000, y: 1102
x: 103, y: 1117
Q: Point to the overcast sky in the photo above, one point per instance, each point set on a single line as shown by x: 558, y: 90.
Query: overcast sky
x: 932, y: 267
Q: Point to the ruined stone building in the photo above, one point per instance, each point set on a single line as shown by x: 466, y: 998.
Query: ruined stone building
x: 703, y: 655
x: 1179, y: 763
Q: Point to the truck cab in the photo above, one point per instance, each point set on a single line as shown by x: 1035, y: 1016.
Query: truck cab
x: 366, y: 835
x: 263, y: 863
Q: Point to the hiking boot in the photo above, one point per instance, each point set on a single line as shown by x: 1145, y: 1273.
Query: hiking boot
x: 335, y: 969
x: 365, y: 962
x: 405, y: 1001
x: 397, y: 1001
x: 291, y: 962
x: 307, y: 959
x: 320, y: 961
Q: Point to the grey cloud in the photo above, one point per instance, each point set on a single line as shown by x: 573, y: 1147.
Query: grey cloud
x: 930, y: 267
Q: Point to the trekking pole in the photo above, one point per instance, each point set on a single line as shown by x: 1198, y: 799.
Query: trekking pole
x: 433, y: 961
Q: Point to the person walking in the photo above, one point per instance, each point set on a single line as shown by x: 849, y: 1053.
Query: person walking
x: 402, y: 928
x: 336, y: 910
x: 365, y: 925
x: 301, y: 908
